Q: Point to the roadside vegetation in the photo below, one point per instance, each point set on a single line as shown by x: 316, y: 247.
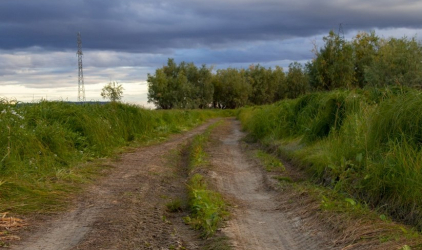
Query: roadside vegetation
x: 208, y: 209
x: 44, y: 146
x: 363, y: 143
x: 349, y: 222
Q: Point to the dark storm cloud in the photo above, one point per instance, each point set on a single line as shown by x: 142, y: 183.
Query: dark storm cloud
x: 159, y: 26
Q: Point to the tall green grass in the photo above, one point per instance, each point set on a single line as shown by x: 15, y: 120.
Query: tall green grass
x: 367, y: 143
x: 43, y: 145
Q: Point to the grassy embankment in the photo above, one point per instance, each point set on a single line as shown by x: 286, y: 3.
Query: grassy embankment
x: 44, y: 147
x: 366, y: 144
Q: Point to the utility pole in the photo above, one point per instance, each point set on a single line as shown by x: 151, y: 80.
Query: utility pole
x: 81, y: 87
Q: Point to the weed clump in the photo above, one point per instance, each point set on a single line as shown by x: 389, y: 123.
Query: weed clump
x: 208, y: 209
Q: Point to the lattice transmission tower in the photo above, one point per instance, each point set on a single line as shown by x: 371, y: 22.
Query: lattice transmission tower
x: 81, y: 87
x: 340, y: 31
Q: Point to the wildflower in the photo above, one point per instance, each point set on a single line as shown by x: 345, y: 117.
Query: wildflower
x: 3, y: 111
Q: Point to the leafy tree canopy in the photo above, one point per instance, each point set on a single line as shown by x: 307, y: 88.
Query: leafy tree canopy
x: 112, y: 91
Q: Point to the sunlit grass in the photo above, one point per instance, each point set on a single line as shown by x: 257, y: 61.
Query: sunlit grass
x: 366, y: 143
x: 45, y: 147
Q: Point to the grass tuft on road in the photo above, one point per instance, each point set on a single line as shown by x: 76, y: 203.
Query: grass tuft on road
x: 208, y: 209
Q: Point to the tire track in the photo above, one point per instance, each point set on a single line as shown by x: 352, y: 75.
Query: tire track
x: 122, y: 211
x: 257, y: 222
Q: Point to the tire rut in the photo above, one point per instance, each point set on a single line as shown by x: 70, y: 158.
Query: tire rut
x: 257, y: 222
x: 124, y: 210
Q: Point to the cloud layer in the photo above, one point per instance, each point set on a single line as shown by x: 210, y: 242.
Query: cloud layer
x: 124, y: 40
x: 158, y: 26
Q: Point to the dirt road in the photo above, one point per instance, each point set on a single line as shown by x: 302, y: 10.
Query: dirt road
x: 127, y: 209
x: 257, y: 222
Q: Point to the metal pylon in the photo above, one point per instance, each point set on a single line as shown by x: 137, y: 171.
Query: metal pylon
x: 81, y: 87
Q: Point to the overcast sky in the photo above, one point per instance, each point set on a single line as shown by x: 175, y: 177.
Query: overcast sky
x: 124, y: 40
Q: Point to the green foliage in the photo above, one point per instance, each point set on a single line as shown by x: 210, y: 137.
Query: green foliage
x: 263, y: 84
x: 180, y: 86
x: 367, y: 60
x: 367, y: 145
x: 397, y: 62
x: 279, y: 78
x: 232, y: 90
x: 197, y: 156
x: 270, y: 162
x: 42, y: 145
x: 296, y: 81
x: 331, y: 112
x: 112, y: 91
x: 185, y: 86
x: 333, y: 66
x: 365, y: 47
x: 207, y: 207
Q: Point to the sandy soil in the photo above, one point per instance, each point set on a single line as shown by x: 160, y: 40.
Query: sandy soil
x: 126, y: 209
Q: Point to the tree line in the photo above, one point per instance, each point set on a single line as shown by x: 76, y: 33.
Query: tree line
x: 366, y: 60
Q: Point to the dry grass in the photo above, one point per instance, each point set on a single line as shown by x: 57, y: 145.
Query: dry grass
x: 8, y: 225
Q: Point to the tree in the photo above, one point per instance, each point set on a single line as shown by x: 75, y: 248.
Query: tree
x: 333, y: 66
x: 365, y: 48
x: 231, y: 89
x: 296, y: 81
x: 397, y: 62
x: 180, y: 86
x: 112, y: 91
x: 158, y: 90
x: 263, y: 86
x: 279, y: 78
x: 205, y: 87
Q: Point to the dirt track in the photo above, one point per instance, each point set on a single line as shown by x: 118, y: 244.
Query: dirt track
x: 126, y: 209
x: 257, y: 221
